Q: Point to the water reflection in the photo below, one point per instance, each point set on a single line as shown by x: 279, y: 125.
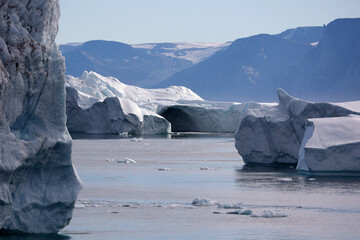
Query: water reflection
x: 285, y: 178
x: 34, y: 237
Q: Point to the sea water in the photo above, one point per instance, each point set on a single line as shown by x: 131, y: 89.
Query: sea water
x: 152, y: 198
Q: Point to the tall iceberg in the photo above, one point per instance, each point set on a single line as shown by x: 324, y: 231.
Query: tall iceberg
x: 38, y: 182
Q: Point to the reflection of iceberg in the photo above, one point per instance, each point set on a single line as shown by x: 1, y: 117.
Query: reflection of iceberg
x: 273, y: 134
x: 331, y: 144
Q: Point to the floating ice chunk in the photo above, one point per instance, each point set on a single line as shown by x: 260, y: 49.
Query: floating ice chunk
x: 110, y: 160
x: 199, y: 201
x: 164, y: 169
x: 79, y: 205
x: 230, y: 206
x: 127, y: 160
x: 204, y: 168
x: 123, y: 134
x: 286, y: 179
x: 135, y: 139
x: 270, y: 214
x: 248, y: 212
x: 113, y: 212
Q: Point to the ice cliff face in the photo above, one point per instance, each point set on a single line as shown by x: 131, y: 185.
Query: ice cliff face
x: 273, y: 135
x: 38, y: 183
x: 331, y: 144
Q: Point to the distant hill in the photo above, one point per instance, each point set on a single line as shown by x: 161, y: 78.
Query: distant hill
x: 319, y: 64
x: 330, y: 71
x: 309, y: 35
x: 140, y: 64
x: 245, y: 70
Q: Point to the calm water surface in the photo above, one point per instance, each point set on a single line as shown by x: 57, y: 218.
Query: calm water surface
x: 152, y: 198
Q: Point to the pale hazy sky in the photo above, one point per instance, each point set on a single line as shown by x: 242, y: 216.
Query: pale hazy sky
x: 144, y: 21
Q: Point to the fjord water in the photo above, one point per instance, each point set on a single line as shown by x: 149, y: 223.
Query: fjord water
x: 151, y: 199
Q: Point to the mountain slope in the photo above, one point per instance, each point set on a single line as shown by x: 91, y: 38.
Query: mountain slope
x: 331, y: 71
x: 142, y: 64
x: 243, y: 71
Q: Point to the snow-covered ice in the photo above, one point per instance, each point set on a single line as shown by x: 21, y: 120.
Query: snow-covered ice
x: 98, y: 104
x: 38, y: 183
x: 248, y: 212
x: 273, y: 134
x: 230, y: 205
x: 200, y: 201
x: 269, y: 214
x: 331, y: 144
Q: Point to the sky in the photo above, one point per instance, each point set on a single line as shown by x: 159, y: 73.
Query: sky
x: 152, y: 21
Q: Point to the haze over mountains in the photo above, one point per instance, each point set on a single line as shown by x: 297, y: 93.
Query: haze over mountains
x: 315, y: 63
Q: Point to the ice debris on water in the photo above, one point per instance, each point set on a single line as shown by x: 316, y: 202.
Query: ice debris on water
x: 127, y: 160
x: 123, y: 134
x: 110, y: 160
x: 242, y: 212
x: 238, y: 205
x: 164, y: 169
x: 199, y: 201
x: 135, y: 139
x: 204, y: 168
x: 79, y: 205
x: 286, y: 179
x: 270, y: 214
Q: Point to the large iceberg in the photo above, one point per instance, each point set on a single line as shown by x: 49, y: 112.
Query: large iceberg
x: 38, y: 183
x: 331, y: 144
x: 273, y: 134
x: 98, y: 104
x: 112, y: 115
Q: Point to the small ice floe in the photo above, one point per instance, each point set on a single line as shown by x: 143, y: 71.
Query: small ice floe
x: 164, y: 169
x: 135, y: 139
x: 204, y: 168
x: 113, y: 212
x: 146, y: 144
x: 79, y: 205
x: 123, y: 134
x: 110, y: 160
x: 127, y: 160
x: 199, y: 201
x: 175, y: 205
x: 312, y: 179
x: 238, y: 205
x: 247, y: 212
x: 270, y: 214
x: 285, y: 179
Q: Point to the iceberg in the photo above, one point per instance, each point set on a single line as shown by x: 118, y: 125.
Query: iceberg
x: 112, y: 115
x: 98, y: 104
x: 273, y: 134
x: 38, y: 183
x: 331, y: 145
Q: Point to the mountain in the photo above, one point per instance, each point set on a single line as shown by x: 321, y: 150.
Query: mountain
x: 244, y: 71
x: 139, y: 64
x: 309, y: 35
x: 331, y: 70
